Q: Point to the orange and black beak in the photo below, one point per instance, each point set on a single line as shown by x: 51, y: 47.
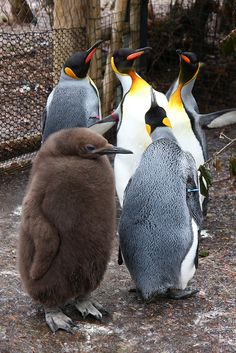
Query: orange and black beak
x: 92, y: 50
x: 183, y: 56
x: 138, y: 52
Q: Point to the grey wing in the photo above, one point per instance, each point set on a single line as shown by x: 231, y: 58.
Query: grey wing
x: 193, y: 192
x: 218, y: 119
x: 43, y: 119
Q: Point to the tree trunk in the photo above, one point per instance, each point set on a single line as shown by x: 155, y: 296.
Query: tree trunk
x: 21, y: 11
x: 115, y: 43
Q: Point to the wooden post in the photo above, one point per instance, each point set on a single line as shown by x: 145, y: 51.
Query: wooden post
x: 115, y: 43
x: 94, y: 33
x: 134, y: 39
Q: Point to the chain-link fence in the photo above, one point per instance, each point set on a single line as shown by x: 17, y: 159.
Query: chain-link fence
x: 32, y: 54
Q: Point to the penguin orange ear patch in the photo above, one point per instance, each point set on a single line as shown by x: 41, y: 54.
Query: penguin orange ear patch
x: 148, y: 128
x: 166, y: 121
x: 185, y: 58
x: 70, y: 72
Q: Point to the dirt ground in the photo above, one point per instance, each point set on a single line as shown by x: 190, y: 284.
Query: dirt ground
x: 205, y: 323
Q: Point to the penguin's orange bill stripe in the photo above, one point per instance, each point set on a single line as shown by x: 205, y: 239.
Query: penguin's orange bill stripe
x: 89, y: 57
x: 166, y: 121
x: 70, y: 72
x: 135, y: 55
x: 185, y: 58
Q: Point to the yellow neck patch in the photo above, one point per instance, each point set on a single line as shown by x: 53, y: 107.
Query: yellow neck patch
x: 175, y: 98
x: 138, y: 84
x: 70, y: 72
x: 114, y: 68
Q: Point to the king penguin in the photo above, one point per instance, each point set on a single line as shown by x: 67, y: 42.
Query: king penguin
x: 161, y: 215
x: 68, y: 223
x: 189, y: 69
x: 74, y: 102
x: 184, y: 115
x: 131, y: 133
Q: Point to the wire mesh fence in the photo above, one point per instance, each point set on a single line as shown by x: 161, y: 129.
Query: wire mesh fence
x: 33, y: 51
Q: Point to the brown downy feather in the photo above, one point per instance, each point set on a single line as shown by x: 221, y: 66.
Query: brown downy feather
x: 68, y: 219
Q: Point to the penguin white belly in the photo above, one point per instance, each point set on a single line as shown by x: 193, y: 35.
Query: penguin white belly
x: 132, y: 135
x: 188, y: 265
x: 184, y: 134
x: 161, y: 100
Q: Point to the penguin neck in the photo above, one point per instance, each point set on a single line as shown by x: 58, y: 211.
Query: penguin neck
x: 175, y: 98
x: 138, y: 83
x: 163, y: 132
x: 65, y: 77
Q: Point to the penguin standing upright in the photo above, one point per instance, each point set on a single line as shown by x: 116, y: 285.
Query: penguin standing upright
x: 184, y: 113
x: 74, y: 102
x: 131, y: 127
x: 161, y: 215
x: 68, y: 223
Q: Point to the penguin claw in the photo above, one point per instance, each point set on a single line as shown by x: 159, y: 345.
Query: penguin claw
x: 57, y: 320
x: 181, y: 293
x: 87, y: 307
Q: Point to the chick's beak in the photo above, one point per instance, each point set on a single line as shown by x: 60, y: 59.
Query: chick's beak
x: 110, y: 149
x: 92, y: 50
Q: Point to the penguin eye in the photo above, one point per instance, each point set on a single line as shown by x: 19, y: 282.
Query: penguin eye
x: 89, y: 148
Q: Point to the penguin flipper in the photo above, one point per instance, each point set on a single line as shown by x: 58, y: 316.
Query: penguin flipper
x: 192, y: 197
x: 218, y: 119
x: 43, y: 119
x: 46, y: 243
x: 105, y: 124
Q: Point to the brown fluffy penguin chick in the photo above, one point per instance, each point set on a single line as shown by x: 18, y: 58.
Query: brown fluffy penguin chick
x: 68, y: 223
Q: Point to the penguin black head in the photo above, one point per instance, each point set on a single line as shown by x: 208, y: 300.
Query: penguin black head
x: 77, y: 65
x: 81, y: 142
x: 123, y: 59
x: 155, y: 116
x: 189, y: 66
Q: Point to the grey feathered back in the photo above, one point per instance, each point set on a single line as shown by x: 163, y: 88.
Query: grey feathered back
x: 155, y: 225
x: 73, y: 103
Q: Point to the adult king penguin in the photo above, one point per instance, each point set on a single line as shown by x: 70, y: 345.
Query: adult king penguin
x: 68, y: 223
x: 190, y: 63
x: 131, y: 127
x: 74, y: 102
x: 161, y: 215
x: 184, y: 114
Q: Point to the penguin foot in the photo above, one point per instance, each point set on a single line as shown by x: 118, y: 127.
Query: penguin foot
x: 56, y: 320
x: 181, y: 293
x: 89, y: 307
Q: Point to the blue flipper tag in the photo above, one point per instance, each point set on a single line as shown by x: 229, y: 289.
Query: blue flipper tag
x: 192, y: 190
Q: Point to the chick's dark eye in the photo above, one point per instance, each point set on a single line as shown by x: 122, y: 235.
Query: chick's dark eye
x: 89, y: 148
